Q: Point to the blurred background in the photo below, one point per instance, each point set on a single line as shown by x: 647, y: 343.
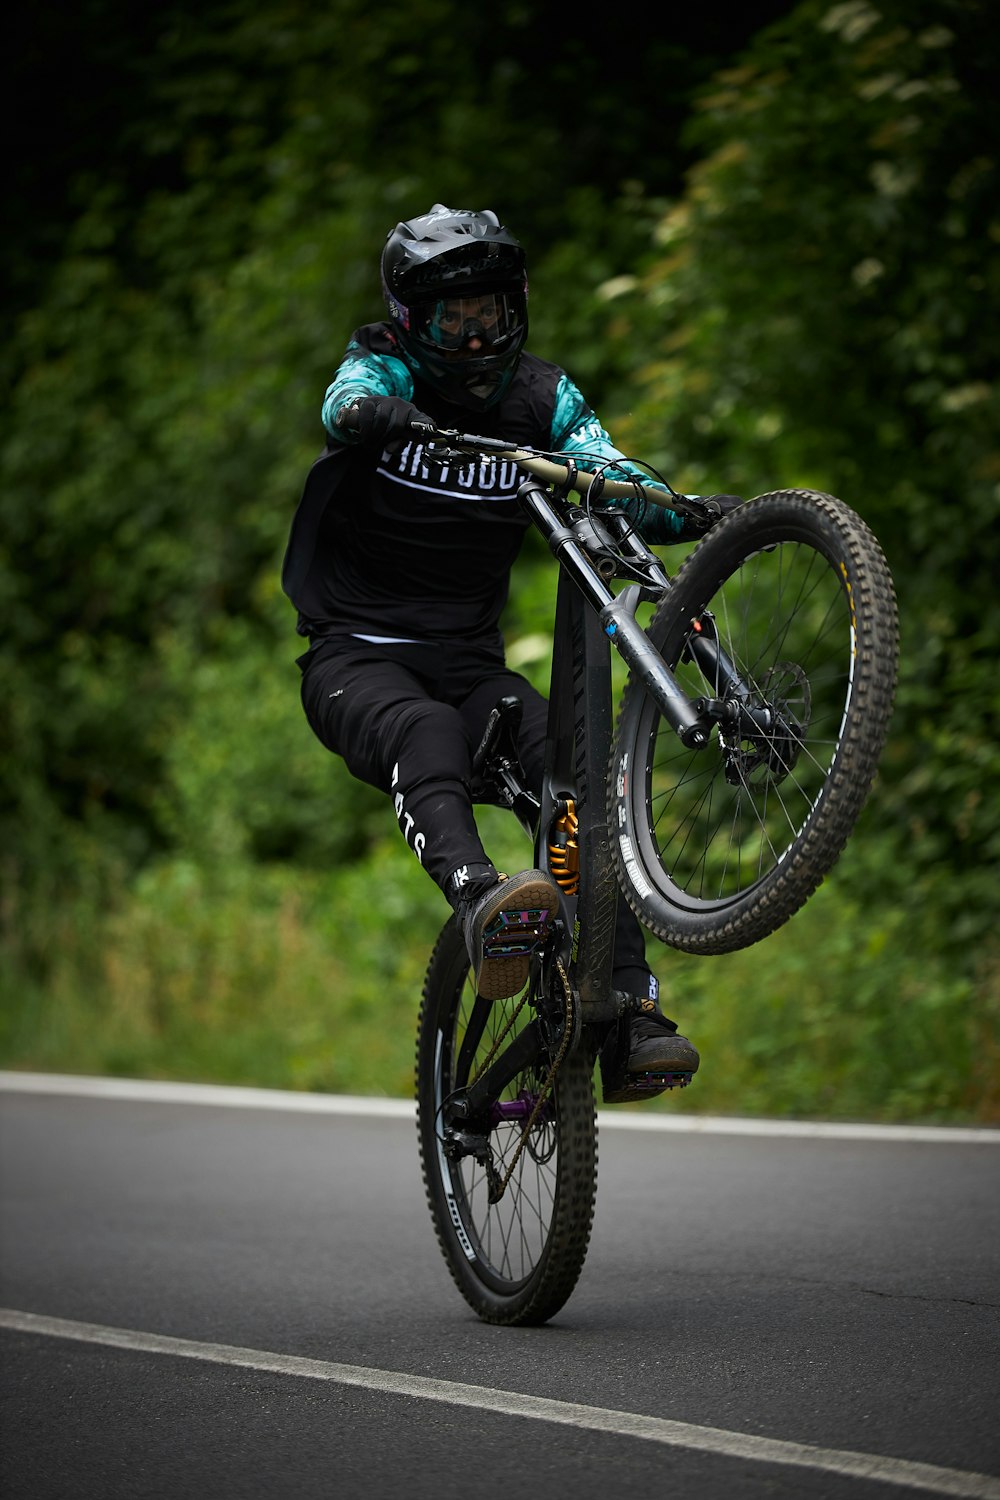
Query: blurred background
x: 766, y: 247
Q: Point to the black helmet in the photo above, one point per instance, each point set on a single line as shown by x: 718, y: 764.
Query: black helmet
x: 451, y: 276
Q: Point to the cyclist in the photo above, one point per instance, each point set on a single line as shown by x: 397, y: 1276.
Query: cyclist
x: 399, y: 568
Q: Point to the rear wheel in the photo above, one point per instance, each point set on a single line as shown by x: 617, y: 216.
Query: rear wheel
x: 716, y: 848
x: 518, y: 1259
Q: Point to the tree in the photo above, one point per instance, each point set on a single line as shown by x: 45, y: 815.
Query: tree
x: 813, y: 315
x: 195, y: 232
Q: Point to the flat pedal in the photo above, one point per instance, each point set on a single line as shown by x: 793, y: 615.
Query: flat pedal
x: 638, y: 1086
x: 672, y: 1080
x: 517, y: 917
x: 515, y: 934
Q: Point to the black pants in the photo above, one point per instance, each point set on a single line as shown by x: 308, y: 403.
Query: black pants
x: 407, y: 718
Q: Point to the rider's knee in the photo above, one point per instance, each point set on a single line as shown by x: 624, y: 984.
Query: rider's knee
x: 430, y: 744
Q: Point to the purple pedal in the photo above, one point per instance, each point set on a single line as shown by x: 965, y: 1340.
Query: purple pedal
x: 514, y: 933
x: 654, y: 1082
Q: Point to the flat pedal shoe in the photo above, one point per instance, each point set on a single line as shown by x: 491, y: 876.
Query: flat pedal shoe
x: 504, y: 927
x: 644, y: 1055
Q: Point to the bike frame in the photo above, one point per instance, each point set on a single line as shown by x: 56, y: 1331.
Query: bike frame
x: 578, y: 747
x: 577, y: 751
x: 590, y: 618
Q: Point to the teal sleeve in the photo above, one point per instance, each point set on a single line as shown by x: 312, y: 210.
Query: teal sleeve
x: 577, y: 431
x: 362, y: 373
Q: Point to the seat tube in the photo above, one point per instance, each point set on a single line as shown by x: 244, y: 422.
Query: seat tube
x: 578, y: 750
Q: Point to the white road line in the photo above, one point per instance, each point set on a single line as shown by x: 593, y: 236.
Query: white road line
x: 157, y: 1091
x: 736, y: 1445
x: 206, y: 1094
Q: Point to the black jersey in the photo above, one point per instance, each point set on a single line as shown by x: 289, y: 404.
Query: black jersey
x: 393, y: 546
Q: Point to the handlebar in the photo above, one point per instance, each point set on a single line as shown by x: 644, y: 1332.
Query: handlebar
x: 571, y: 546
x: 544, y: 466
x: 550, y: 472
x: 560, y: 471
x: 588, y: 553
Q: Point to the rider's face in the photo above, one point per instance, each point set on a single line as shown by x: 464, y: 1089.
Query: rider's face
x: 463, y: 326
x: 470, y: 319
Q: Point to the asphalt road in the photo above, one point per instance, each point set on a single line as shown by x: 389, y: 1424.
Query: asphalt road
x: 759, y: 1316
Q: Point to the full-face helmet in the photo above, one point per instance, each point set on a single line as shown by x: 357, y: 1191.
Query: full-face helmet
x: 457, y: 295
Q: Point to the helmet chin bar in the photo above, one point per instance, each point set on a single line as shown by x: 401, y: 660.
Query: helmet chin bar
x: 473, y: 383
x: 485, y: 393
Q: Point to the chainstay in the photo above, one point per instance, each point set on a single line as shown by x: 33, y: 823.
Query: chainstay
x: 497, y: 1190
x: 501, y: 1036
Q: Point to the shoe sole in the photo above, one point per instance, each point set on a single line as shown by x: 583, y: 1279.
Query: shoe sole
x: 517, y: 928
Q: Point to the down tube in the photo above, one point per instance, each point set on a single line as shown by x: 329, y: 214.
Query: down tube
x: 577, y: 753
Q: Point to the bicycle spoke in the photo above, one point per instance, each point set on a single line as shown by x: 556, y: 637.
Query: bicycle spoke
x: 509, y: 1236
x: 725, y: 817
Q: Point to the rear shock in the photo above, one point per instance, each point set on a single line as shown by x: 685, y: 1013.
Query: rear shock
x: 564, y: 848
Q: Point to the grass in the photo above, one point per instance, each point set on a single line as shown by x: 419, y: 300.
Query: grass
x: 292, y: 979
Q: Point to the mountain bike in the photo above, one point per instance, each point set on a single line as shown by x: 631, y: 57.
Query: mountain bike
x: 750, y: 728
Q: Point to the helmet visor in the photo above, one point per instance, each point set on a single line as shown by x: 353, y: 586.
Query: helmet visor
x: 466, y: 324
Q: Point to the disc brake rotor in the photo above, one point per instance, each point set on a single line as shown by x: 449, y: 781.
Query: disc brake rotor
x: 755, y: 756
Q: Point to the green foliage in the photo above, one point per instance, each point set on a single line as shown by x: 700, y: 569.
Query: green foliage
x: 295, y: 978
x: 236, y: 973
x: 899, y: 1033
x: 164, y: 399
x: 813, y: 316
x: 189, y: 884
x: 243, y: 778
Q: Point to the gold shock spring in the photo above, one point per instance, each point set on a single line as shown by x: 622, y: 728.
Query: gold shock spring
x: 564, y: 849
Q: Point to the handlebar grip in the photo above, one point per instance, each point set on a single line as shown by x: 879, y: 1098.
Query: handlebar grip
x: 347, y: 418
x: 391, y: 418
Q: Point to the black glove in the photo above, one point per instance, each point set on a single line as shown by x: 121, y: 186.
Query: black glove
x: 388, y: 420
x: 716, y: 506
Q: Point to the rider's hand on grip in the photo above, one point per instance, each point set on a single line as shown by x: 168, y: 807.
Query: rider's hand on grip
x: 388, y: 420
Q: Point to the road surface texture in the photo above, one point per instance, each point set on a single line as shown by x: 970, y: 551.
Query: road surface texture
x: 221, y: 1294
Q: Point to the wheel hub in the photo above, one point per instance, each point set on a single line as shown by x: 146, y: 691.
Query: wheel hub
x: 762, y: 734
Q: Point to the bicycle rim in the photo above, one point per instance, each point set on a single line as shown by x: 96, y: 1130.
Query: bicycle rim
x: 515, y: 1260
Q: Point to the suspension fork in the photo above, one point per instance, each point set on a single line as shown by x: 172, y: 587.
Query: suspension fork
x: 617, y: 618
x: 691, y: 720
x: 732, y: 706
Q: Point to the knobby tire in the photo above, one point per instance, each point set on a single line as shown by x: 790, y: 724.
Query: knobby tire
x: 717, y: 848
x: 516, y: 1261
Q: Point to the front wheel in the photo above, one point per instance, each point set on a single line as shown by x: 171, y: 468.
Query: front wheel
x: 515, y: 1260
x: 717, y: 847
